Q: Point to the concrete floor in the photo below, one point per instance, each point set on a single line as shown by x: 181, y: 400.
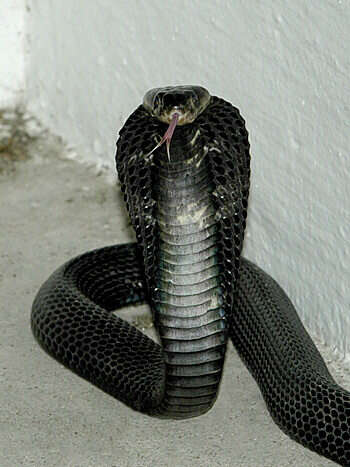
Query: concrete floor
x: 52, y: 209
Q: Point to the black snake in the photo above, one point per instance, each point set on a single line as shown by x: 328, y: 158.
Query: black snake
x: 188, y: 206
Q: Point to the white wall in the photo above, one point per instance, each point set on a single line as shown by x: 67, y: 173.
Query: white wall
x: 284, y: 64
x: 12, y: 52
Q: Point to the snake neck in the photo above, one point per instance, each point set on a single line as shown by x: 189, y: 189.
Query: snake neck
x: 188, y: 301
x: 185, y: 144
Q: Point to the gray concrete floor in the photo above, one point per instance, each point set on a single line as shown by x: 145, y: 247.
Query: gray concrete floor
x: 50, y: 210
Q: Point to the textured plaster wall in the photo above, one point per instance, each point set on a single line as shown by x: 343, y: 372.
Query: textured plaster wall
x: 12, y: 52
x: 286, y: 65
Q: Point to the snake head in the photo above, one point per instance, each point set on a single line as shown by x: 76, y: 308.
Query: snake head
x: 185, y: 101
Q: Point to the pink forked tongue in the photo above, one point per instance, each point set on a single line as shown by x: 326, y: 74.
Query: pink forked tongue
x: 167, y: 135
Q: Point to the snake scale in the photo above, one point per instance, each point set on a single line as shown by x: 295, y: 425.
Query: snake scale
x: 188, y: 202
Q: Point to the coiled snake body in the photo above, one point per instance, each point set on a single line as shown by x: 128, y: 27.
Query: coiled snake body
x: 188, y: 205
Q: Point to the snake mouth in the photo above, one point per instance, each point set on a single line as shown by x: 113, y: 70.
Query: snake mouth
x: 182, y: 117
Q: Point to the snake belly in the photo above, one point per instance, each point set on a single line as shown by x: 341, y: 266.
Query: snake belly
x: 189, y: 216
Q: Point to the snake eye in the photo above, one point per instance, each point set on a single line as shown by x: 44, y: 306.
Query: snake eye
x: 156, y: 102
x: 195, y: 98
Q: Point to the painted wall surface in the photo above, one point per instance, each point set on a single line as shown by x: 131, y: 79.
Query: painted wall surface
x: 12, y: 52
x: 286, y: 65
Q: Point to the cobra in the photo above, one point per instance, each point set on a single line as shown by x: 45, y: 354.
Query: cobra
x: 188, y: 205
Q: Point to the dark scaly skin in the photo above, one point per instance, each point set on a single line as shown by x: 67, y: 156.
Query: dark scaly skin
x: 201, y: 146
x: 72, y: 318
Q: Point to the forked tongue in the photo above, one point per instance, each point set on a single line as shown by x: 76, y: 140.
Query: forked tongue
x: 167, y: 135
